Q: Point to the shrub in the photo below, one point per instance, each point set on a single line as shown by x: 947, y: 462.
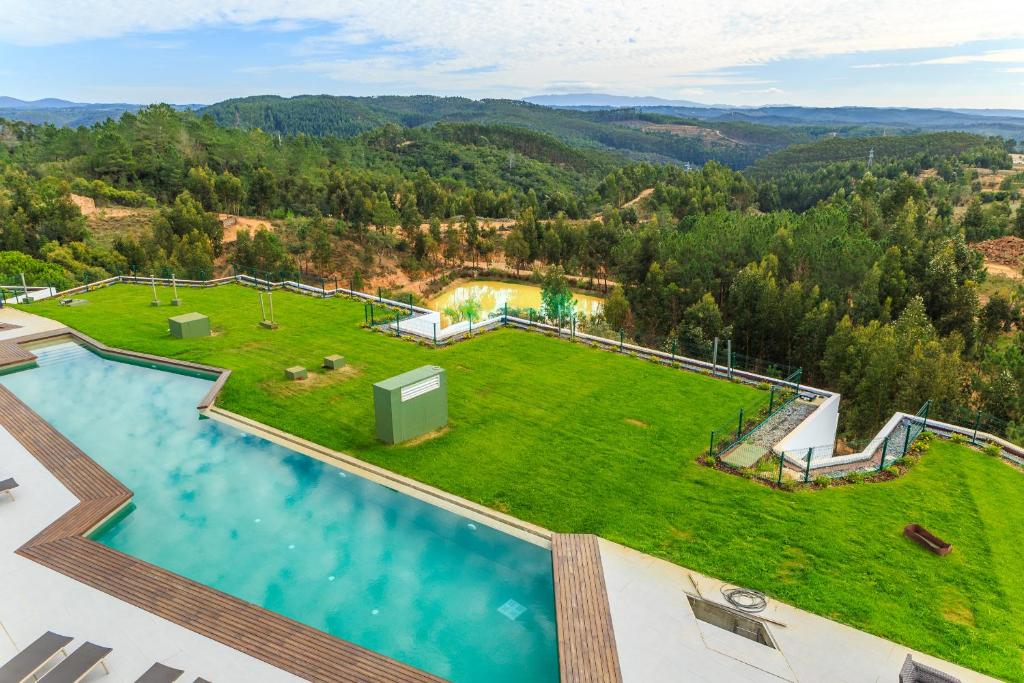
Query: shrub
x: 992, y: 450
x: 763, y: 386
x: 707, y: 459
x: 788, y: 485
x: 958, y: 438
x: 855, y: 477
x: 747, y: 473
x: 822, y: 481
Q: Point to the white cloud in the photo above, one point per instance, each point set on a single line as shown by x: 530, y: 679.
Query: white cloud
x: 436, y: 45
x: 991, y: 56
x: 1013, y: 56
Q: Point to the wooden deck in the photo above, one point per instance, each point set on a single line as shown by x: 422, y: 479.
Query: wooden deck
x: 586, y: 641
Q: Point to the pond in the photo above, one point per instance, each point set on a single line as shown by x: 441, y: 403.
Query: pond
x: 493, y: 296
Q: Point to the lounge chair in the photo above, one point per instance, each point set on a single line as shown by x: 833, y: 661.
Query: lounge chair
x: 7, y: 486
x: 23, y: 665
x: 78, y: 664
x: 916, y: 672
x: 160, y: 673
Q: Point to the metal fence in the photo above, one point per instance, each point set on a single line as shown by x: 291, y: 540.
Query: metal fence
x: 754, y: 415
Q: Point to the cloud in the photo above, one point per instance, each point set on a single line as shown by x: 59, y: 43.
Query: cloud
x: 444, y: 45
x: 1011, y: 56
x: 991, y: 56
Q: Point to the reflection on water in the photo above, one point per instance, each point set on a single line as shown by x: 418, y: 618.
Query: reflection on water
x: 494, y: 295
x: 286, y: 531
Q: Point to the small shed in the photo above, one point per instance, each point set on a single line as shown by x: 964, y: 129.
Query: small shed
x: 411, y: 404
x: 189, y: 325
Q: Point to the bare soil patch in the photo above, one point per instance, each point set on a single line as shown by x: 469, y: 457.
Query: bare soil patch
x: 1004, y: 251
x: 636, y: 423
x: 233, y: 224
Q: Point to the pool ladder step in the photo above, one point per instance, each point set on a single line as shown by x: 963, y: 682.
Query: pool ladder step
x: 60, y: 355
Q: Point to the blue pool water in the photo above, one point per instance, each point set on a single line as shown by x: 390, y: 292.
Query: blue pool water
x: 302, y: 538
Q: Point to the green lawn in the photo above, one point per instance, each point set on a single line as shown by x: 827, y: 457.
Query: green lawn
x: 577, y: 439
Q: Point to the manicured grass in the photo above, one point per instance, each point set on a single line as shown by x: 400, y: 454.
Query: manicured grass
x: 576, y: 439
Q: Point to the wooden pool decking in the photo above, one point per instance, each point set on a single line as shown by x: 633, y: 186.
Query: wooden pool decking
x: 586, y: 644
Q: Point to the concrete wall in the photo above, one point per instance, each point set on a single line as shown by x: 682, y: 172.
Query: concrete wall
x: 818, y: 429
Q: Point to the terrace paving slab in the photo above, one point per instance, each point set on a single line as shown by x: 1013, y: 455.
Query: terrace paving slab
x: 659, y: 640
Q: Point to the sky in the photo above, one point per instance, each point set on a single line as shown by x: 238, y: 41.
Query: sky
x: 936, y: 53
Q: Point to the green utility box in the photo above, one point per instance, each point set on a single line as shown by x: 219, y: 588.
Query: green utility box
x: 334, y: 362
x: 296, y: 372
x: 411, y: 404
x: 189, y: 325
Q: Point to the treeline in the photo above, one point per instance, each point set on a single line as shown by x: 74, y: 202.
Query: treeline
x: 873, y: 292
x: 326, y: 115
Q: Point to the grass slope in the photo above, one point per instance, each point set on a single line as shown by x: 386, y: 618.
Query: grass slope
x: 543, y: 429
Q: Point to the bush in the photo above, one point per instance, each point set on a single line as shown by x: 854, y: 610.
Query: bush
x: 788, y: 485
x: 958, y: 438
x: 822, y: 481
x: 855, y: 477
x: 707, y: 459
x: 992, y: 450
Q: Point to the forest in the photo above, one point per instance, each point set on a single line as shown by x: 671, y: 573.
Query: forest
x: 864, y: 276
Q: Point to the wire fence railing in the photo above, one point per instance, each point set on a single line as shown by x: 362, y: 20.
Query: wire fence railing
x: 753, y: 415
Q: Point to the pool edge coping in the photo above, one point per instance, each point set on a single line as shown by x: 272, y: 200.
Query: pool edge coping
x: 68, y: 534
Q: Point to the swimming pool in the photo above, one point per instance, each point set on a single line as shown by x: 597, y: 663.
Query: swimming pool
x: 303, y: 538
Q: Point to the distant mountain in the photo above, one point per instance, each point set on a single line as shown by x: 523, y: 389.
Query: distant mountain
x: 619, y: 130
x: 68, y: 114
x: 48, y: 103
x: 608, y: 101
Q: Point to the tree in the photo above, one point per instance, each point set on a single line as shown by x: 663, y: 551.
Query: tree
x: 184, y: 217
x: 263, y: 191
x: 616, y: 311
x: 229, y: 192
x: 201, y: 183
x: 193, y: 256
x: 517, y: 249
x: 880, y: 369
x: 557, y: 302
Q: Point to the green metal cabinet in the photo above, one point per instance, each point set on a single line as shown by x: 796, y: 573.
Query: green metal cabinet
x: 189, y: 325
x: 411, y: 404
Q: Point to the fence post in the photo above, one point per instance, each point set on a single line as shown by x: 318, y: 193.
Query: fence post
x: 673, y: 359
x: 977, y: 422
x: 711, y: 446
x: 504, y: 320
x: 739, y: 427
x: 885, y: 449
x: 470, y: 325
x: 728, y: 356
x: 380, y: 297
x: 622, y: 337
x: 435, y: 334
x: 714, y: 358
x: 398, y: 323
x: 906, y: 440
x: 782, y: 459
x: 366, y: 315
x: 372, y: 322
x: 807, y: 470
x: 771, y: 400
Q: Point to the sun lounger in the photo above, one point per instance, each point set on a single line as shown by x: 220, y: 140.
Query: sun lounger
x: 7, y: 486
x: 23, y: 665
x: 160, y: 673
x: 78, y: 664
